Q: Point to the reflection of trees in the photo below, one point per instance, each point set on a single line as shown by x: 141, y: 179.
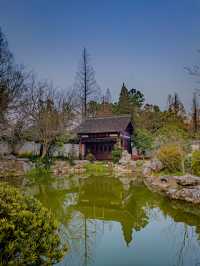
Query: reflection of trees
x: 84, y: 210
x: 187, y: 217
x: 55, y: 200
x: 104, y: 199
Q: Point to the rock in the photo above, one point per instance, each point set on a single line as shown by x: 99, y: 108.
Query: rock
x: 164, y: 179
x: 14, y: 167
x: 146, y: 171
x: 125, y: 159
x: 187, y: 180
x: 126, y: 164
x: 188, y: 194
x: 171, y: 191
x: 10, y: 157
x: 189, y: 190
x: 151, y: 166
x: 156, y: 165
x: 132, y: 165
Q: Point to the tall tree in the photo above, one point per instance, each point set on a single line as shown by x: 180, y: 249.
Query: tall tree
x: 92, y: 108
x: 49, y: 113
x: 11, y: 80
x: 85, y: 83
x: 124, y: 103
x: 136, y: 98
x: 195, y: 113
x: 175, y: 105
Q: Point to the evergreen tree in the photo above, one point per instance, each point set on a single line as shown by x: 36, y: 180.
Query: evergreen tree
x: 136, y: 98
x: 195, y: 113
x: 124, y: 103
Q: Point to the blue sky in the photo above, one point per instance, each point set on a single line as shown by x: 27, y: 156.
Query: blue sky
x: 145, y: 44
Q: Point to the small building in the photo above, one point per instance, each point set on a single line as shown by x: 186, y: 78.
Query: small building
x: 101, y: 135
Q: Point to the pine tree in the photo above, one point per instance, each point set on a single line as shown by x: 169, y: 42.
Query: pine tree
x: 124, y: 103
x: 195, y: 113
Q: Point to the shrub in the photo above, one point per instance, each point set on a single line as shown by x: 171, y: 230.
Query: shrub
x: 71, y: 159
x: 196, y: 163
x: 143, y: 140
x: 171, y: 157
x: 39, y: 175
x: 116, y: 155
x: 90, y: 157
x: 171, y: 134
x: 28, y: 231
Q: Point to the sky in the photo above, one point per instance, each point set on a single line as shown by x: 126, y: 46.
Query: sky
x: 144, y: 43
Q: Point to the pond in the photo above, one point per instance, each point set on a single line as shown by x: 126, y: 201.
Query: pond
x: 107, y: 224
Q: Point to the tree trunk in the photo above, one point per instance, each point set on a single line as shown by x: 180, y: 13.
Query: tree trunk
x: 43, y: 150
x: 85, y: 84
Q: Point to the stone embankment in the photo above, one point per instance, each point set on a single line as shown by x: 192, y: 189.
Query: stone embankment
x: 11, y: 166
x: 185, y: 187
x: 63, y: 168
x: 125, y: 166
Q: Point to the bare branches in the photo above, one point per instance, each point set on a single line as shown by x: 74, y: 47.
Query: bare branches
x: 85, y: 82
x: 49, y: 111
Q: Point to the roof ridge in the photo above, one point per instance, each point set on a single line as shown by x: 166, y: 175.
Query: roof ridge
x: 106, y: 117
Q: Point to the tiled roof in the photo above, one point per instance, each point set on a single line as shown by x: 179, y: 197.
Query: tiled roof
x: 104, y: 124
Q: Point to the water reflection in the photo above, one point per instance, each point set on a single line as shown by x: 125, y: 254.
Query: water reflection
x: 106, y: 224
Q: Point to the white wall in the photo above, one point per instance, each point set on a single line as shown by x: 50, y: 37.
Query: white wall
x: 28, y: 147
x: 66, y: 150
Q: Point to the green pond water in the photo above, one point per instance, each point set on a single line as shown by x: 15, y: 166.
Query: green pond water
x: 105, y: 223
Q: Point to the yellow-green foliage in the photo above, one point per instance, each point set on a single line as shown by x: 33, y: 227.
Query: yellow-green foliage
x: 90, y: 157
x: 26, y: 155
x: 28, y: 231
x: 116, y: 155
x: 39, y: 175
x: 171, y: 157
x: 196, y: 163
x: 96, y: 168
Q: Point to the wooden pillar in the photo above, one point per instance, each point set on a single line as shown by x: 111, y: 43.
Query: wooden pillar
x: 82, y: 150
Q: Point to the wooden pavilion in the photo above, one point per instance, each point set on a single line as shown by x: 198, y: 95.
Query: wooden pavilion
x: 101, y: 135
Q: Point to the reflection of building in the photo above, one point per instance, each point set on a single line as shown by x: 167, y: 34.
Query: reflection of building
x: 100, y: 135
x: 103, y: 199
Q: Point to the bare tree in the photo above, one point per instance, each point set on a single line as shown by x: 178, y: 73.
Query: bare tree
x: 194, y: 70
x: 12, y: 81
x: 49, y: 113
x: 85, y: 83
x: 175, y: 105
